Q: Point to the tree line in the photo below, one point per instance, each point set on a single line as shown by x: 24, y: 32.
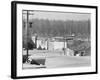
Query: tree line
x: 52, y: 28
x: 45, y: 27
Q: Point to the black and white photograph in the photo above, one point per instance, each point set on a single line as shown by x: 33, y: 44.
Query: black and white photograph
x: 53, y: 39
x: 56, y: 39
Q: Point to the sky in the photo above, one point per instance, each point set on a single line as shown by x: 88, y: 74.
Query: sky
x: 59, y: 15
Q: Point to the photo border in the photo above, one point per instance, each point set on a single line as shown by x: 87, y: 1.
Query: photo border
x: 14, y: 38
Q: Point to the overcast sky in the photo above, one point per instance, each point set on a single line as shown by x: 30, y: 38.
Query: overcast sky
x: 60, y: 15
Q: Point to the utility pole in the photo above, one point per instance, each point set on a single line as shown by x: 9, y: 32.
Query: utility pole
x: 27, y: 31
x: 64, y: 38
x: 27, y: 23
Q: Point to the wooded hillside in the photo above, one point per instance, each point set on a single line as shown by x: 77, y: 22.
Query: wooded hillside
x: 53, y: 28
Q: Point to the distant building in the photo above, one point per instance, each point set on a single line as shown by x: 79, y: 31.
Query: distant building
x: 40, y: 42
x: 57, y: 45
x: 50, y: 43
x: 54, y: 43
